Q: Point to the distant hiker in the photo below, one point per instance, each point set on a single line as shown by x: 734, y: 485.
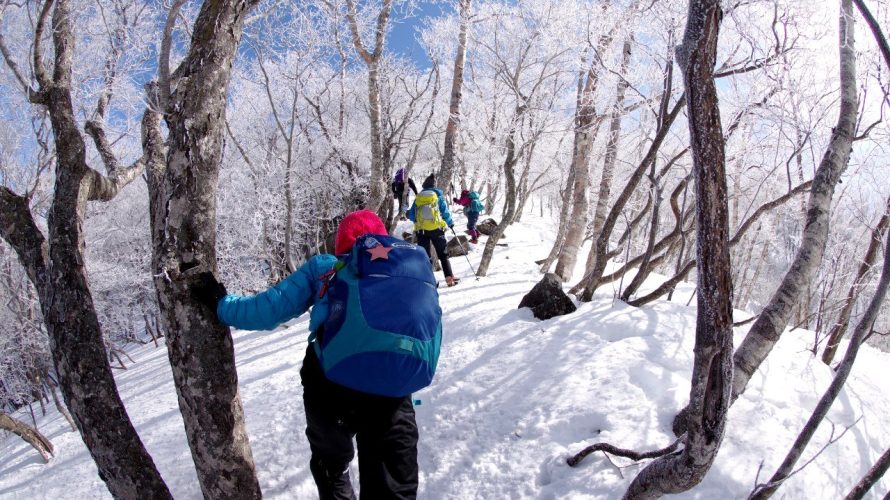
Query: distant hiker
x: 431, y: 216
x: 473, y: 207
x: 362, y: 362
x: 398, y: 189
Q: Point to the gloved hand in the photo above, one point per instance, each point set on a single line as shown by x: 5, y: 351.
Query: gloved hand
x: 451, y: 227
x: 207, y: 290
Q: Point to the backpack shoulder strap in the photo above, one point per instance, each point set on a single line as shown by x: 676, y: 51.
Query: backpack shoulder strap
x: 329, y: 276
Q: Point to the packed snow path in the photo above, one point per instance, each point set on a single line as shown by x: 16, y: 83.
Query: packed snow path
x: 513, y: 398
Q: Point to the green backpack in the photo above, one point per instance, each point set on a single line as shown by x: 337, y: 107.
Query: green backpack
x: 427, y: 215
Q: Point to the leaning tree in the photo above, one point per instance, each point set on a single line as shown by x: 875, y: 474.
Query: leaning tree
x: 55, y: 262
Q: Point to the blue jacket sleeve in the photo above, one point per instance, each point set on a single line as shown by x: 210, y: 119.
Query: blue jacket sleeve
x: 443, y: 209
x: 287, y: 300
x: 411, y: 214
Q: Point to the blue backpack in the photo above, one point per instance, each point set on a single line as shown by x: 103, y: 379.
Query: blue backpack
x: 384, y: 327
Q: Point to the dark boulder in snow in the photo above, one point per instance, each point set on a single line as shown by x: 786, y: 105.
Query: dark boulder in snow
x: 547, y: 299
x: 457, y: 246
x: 487, y: 226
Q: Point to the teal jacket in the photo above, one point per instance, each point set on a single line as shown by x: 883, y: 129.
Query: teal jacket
x: 289, y: 299
x: 475, y: 204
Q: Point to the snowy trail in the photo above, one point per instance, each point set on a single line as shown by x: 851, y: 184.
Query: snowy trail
x: 512, y: 399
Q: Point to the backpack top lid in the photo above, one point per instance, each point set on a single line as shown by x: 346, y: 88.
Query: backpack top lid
x: 428, y: 217
x: 379, y: 255
x: 384, y: 327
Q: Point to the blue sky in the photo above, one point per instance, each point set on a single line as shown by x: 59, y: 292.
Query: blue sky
x: 403, y: 35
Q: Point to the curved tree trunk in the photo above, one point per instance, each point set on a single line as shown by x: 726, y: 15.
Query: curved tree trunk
x: 182, y: 189
x: 646, y: 258
x: 31, y: 435
x: 591, y: 279
x: 683, y: 270
x: 863, y: 329
x: 56, y: 267
x: 712, y: 366
x: 510, y: 201
x: 765, y: 331
x: 870, y: 478
x: 840, y: 325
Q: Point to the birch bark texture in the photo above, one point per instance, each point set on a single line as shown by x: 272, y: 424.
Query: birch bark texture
x: 771, y: 322
x: 183, y: 181
x: 452, y: 127
x: 605, y: 186
x: 587, y: 125
x: 712, y: 365
x: 378, y: 193
x: 56, y: 266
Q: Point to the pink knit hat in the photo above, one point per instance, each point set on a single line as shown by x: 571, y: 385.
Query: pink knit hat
x: 354, y: 225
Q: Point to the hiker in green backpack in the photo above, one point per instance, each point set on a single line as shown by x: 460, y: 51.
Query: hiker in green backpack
x: 473, y: 207
x: 431, y: 217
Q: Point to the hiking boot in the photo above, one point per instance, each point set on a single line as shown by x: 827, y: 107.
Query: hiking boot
x: 474, y: 241
x: 449, y: 280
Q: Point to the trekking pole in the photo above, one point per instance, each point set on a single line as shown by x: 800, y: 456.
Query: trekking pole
x: 466, y: 252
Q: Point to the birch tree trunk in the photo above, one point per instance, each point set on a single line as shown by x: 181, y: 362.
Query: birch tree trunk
x: 378, y: 192
x: 605, y: 187
x: 765, y: 331
x: 446, y: 170
x: 863, y: 329
x: 182, y: 188
x: 55, y: 265
x: 712, y: 366
x: 566, y: 192
x: 586, y: 130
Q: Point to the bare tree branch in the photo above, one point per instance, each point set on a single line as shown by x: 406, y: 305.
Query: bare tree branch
x: 164, y: 55
x: 622, y: 452
x: 39, y: 69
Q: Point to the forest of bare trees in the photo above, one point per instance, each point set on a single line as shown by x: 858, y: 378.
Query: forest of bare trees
x: 740, y: 146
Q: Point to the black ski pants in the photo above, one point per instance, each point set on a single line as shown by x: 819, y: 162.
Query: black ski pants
x: 436, y: 239
x: 384, y: 429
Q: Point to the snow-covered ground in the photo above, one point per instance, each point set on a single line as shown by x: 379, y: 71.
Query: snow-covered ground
x: 513, y: 398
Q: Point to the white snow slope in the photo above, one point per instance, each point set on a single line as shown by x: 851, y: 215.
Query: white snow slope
x: 513, y: 398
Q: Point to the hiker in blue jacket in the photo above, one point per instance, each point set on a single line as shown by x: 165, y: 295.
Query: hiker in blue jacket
x: 384, y: 427
x: 430, y: 223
